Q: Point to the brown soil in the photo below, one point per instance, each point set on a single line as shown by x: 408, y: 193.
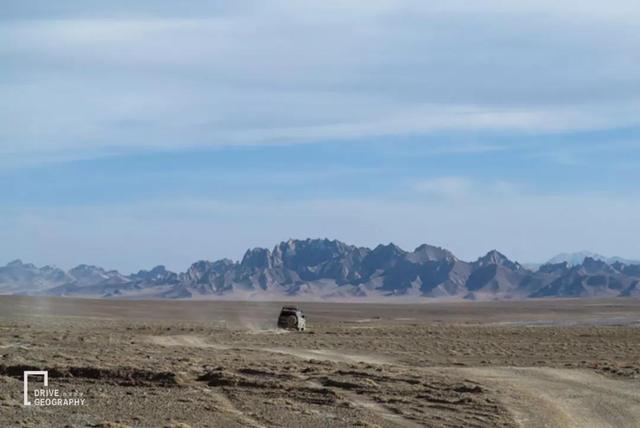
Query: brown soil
x: 158, y: 363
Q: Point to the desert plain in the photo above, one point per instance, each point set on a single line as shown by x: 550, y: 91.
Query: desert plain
x: 536, y: 363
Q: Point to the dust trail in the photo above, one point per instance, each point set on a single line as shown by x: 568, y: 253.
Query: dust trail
x: 186, y: 341
x: 261, y: 317
x: 257, y: 326
x: 305, y: 354
x: 269, y: 331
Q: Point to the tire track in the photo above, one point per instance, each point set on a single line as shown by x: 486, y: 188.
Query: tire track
x: 546, y: 397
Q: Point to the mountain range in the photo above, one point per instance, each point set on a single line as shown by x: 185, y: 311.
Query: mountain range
x: 316, y: 269
x: 574, y: 259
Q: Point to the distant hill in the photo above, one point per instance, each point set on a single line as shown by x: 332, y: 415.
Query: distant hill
x: 315, y: 269
x: 574, y: 259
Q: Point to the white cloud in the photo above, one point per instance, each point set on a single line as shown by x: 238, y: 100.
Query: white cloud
x: 287, y: 72
x: 83, y: 79
x: 445, y: 187
x: 463, y: 189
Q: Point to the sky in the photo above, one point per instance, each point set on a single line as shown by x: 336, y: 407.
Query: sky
x: 159, y: 132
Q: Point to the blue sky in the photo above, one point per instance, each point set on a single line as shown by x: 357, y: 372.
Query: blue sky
x: 132, y: 135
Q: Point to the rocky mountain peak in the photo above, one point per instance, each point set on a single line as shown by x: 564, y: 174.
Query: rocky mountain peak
x: 495, y: 257
x: 592, y: 265
x: 309, y: 252
x: 578, y: 258
x: 389, y: 250
x: 383, y: 257
x: 320, y: 268
x: 256, y: 258
x: 554, y: 267
x: 428, y: 253
x: 157, y: 275
x: 83, y: 269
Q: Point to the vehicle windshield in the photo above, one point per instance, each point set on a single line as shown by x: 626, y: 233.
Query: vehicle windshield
x: 287, y: 313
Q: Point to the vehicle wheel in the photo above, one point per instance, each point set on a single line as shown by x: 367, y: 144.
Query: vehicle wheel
x: 292, y: 321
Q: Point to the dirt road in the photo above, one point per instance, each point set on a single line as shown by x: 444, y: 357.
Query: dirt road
x: 305, y: 354
x: 537, y: 397
x: 223, y: 364
x: 548, y: 397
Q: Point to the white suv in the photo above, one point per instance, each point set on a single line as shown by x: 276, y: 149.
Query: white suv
x: 292, y: 318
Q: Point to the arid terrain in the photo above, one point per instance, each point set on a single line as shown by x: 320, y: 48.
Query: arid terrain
x: 573, y: 363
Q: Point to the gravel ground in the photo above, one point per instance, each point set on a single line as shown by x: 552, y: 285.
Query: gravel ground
x: 159, y: 363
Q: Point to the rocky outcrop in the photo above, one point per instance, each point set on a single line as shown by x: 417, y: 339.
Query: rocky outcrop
x: 322, y: 268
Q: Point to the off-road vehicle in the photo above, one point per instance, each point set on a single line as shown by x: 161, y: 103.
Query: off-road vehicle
x: 292, y: 318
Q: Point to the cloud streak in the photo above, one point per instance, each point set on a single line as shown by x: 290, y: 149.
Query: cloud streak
x: 127, y: 127
x: 115, y: 79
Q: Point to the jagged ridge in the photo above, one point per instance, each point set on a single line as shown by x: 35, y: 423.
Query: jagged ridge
x: 322, y: 268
